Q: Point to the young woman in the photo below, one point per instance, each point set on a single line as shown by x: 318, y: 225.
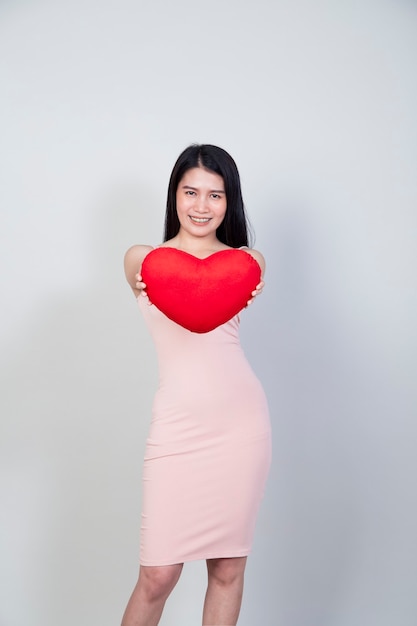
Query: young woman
x: 208, y: 452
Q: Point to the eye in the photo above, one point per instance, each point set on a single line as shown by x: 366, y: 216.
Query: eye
x: 189, y: 192
x: 216, y: 196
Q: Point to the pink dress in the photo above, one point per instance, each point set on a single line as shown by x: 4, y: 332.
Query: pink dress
x: 208, y: 452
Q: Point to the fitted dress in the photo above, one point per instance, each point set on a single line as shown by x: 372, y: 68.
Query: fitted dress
x: 208, y: 452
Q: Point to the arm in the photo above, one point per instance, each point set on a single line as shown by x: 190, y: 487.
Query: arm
x: 132, y: 263
x: 260, y: 259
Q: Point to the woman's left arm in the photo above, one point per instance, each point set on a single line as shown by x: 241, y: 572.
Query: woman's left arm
x: 260, y: 259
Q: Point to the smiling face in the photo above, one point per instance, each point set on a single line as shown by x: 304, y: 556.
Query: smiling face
x: 201, y: 202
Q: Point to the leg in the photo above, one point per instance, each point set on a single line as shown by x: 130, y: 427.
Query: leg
x: 224, y: 591
x: 150, y: 594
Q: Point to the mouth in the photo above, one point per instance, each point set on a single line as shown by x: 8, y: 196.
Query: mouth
x: 199, y: 220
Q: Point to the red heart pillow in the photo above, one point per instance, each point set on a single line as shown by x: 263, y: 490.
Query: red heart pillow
x: 200, y: 294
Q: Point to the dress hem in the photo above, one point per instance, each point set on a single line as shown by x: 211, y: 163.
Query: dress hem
x: 189, y: 559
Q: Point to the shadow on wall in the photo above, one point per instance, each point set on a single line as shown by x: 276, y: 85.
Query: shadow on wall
x: 75, y: 439
x: 309, y: 526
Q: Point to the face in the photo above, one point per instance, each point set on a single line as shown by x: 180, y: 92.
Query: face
x: 201, y: 202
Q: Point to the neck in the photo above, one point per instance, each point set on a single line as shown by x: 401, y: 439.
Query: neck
x: 183, y: 241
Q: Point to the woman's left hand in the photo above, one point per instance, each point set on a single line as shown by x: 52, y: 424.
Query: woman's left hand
x: 256, y: 292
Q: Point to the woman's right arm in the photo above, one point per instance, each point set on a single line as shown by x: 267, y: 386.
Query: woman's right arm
x: 133, y: 264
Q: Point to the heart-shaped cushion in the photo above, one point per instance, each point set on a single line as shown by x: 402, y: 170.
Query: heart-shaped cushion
x: 200, y: 294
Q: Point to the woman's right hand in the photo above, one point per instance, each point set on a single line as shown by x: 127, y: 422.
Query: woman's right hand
x: 133, y: 264
x: 140, y: 285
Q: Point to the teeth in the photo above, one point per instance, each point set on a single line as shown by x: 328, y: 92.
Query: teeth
x: 200, y: 220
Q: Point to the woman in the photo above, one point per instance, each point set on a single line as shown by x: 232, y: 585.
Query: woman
x: 208, y: 452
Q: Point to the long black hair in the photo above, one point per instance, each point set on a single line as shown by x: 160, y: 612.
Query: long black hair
x: 235, y: 230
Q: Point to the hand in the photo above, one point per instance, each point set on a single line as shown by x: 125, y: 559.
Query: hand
x: 140, y: 285
x: 258, y: 290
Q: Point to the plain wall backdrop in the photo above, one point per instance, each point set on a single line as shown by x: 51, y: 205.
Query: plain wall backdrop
x: 317, y: 102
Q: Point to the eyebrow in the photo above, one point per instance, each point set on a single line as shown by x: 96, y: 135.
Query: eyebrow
x: 195, y: 189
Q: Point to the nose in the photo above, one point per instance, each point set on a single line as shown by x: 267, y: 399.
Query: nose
x: 200, y: 205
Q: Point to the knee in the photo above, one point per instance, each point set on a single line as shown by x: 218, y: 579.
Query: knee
x: 226, y: 572
x: 158, y: 582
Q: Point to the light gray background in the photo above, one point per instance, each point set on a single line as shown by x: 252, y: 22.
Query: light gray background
x: 317, y: 103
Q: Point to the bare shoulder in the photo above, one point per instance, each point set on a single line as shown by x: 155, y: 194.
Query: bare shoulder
x: 257, y: 256
x: 136, y: 254
x: 133, y: 260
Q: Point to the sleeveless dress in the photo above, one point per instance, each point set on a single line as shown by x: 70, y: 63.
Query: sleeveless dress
x: 208, y: 452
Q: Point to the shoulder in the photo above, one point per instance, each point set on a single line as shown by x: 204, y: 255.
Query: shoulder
x: 133, y: 260
x: 257, y: 256
x: 135, y: 254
